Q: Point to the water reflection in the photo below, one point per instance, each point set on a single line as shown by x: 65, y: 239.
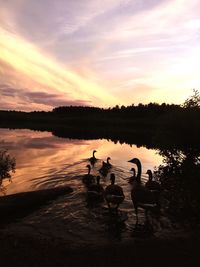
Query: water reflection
x: 45, y: 161
x: 115, y: 224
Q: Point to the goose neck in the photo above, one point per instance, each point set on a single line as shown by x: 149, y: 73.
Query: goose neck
x: 139, y: 169
x: 89, y: 169
x: 150, y: 176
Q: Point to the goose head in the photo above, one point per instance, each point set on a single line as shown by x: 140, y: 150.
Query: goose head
x: 94, y: 151
x: 108, y: 158
x: 134, y: 160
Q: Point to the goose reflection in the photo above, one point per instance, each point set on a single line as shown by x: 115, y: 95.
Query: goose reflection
x: 115, y: 225
x: 143, y: 230
x: 95, y: 192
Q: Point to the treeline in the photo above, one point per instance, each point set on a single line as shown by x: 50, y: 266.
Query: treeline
x: 192, y: 104
x: 129, y: 111
x: 131, y: 116
x: 167, y: 124
x: 163, y: 124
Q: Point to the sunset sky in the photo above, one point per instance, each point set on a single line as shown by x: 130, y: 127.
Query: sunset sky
x: 97, y: 52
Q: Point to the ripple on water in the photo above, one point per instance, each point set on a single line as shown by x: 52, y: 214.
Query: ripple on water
x: 70, y: 218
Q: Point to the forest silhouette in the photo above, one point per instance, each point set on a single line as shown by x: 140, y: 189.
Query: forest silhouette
x: 153, y: 124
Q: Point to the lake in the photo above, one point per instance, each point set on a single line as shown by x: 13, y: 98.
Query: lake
x: 46, y: 161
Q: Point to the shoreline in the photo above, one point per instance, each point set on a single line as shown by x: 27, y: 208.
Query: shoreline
x: 31, y: 250
x: 19, y: 205
x: 24, y: 243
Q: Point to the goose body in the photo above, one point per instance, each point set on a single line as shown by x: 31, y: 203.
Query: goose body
x: 95, y: 191
x: 114, y: 194
x: 141, y: 196
x: 93, y: 159
x: 88, y: 178
x: 103, y: 171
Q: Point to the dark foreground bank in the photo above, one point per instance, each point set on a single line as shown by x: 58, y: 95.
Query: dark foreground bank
x: 177, y: 250
x: 25, y: 243
x: 16, y: 206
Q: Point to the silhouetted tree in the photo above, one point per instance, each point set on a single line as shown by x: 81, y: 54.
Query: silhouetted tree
x: 7, y: 165
x: 193, y: 101
x: 179, y: 177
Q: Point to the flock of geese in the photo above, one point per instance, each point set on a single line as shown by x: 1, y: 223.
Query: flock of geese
x: 143, y: 196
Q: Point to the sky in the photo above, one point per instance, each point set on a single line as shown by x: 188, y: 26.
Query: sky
x: 97, y: 52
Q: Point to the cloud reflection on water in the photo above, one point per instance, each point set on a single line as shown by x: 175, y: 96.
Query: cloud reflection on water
x: 44, y: 158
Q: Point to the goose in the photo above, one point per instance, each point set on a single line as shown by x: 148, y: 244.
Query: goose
x: 107, y: 163
x: 114, y: 194
x: 152, y: 184
x: 93, y: 159
x: 132, y: 178
x: 95, y: 191
x: 141, y: 196
x: 105, y: 167
x: 88, y: 178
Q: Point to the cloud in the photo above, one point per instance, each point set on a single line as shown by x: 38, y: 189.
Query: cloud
x: 91, y: 50
x: 32, y: 98
x: 40, y: 69
x: 7, y: 91
x: 53, y: 100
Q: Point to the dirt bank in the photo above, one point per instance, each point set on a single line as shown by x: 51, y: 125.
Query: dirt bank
x: 18, y: 205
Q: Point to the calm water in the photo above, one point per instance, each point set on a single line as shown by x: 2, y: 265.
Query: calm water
x: 45, y: 161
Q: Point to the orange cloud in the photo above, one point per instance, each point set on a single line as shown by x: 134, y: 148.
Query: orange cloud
x: 32, y: 63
